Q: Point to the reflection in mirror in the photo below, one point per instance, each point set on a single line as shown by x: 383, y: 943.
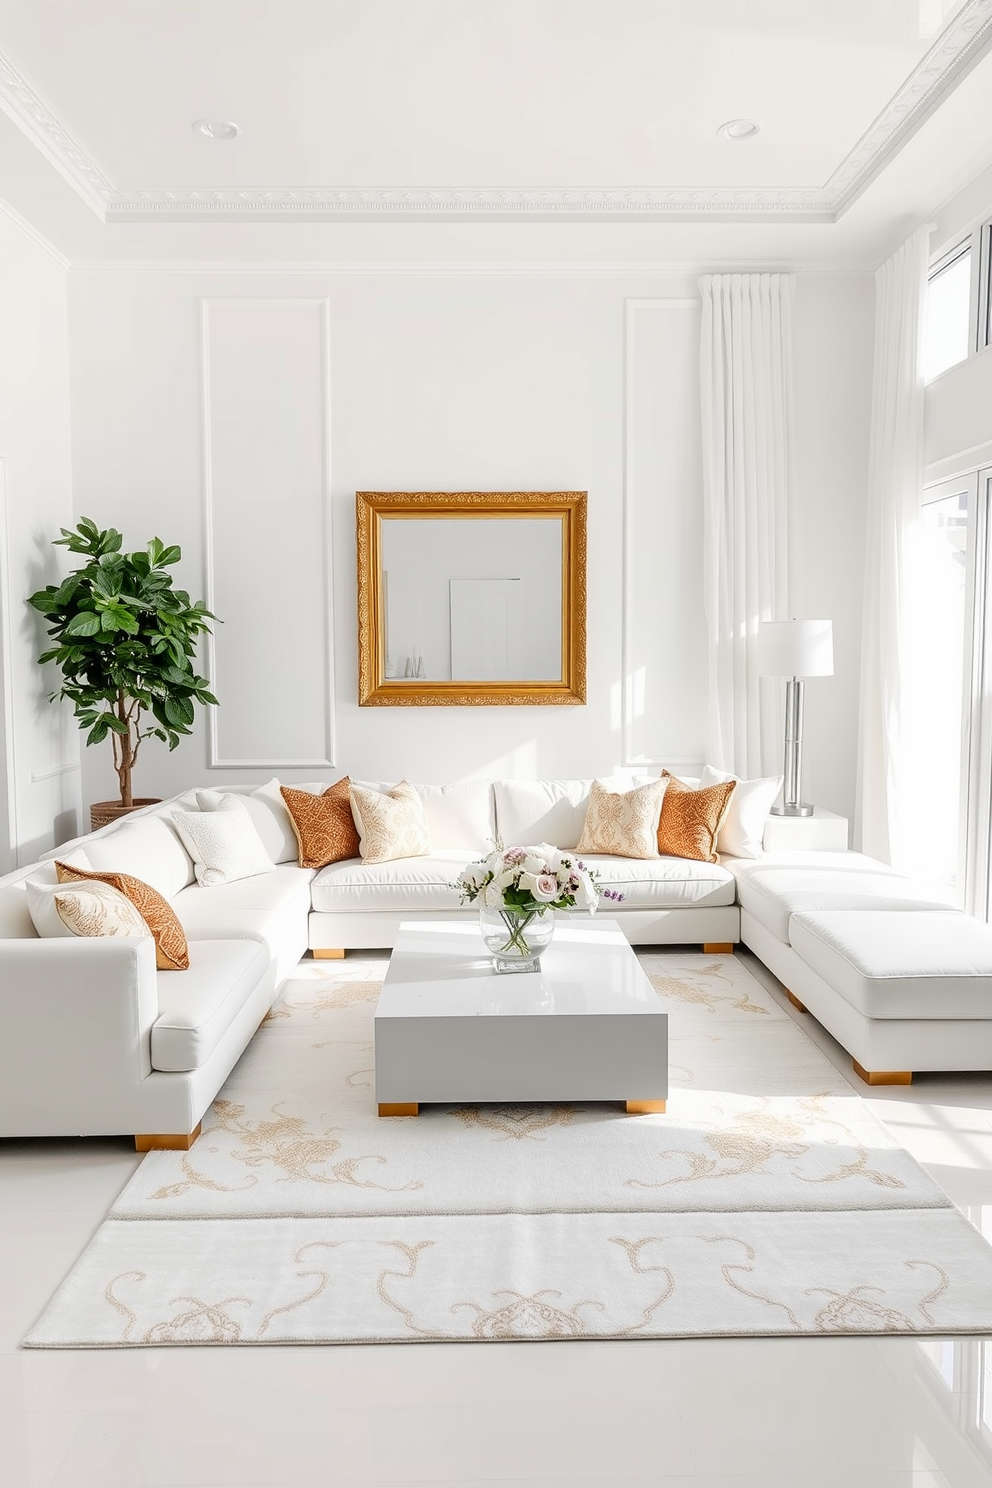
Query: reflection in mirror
x: 471, y: 597
x: 473, y: 601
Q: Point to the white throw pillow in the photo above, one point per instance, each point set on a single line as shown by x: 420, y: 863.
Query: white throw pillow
x: 743, y: 827
x: 267, y: 810
x: 224, y: 844
x: 38, y: 892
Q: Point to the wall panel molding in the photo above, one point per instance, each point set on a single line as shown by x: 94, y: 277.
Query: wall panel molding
x: 286, y: 625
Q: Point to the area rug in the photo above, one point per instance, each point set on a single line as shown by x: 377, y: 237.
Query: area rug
x: 768, y: 1200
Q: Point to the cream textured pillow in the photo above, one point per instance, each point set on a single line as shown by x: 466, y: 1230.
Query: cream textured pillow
x: 624, y: 823
x: 93, y: 909
x: 744, y: 824
x: 267, y: 810
x: 391, y: 824
x: 224, y: 844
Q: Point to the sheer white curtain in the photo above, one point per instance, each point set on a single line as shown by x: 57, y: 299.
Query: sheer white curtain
x: 895, y: 480
x: 746, y: 386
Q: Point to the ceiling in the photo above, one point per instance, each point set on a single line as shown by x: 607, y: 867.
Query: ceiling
x: 384, y: 129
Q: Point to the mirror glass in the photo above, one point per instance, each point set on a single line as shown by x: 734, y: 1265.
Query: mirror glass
x: 471, y: 597
x: 472, y: 601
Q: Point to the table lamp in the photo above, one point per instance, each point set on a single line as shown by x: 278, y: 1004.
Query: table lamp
x: 795, y: 649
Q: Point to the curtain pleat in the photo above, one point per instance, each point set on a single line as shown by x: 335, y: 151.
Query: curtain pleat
x: 746, y: 388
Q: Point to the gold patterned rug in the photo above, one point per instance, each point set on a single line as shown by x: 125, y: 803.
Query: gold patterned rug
x: 768, y: 1200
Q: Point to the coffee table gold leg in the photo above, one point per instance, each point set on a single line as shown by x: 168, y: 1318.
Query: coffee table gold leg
x: 645, y: 1108
x: 399, y: 1108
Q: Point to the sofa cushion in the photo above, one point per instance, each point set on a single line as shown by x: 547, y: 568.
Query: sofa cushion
x: 196, y: 1010
x: 147, y: 847
x: 530, y: 811
x: 425, y: 883
x: 403, y: 884
x: 459, y: 815
x: 774, y: 891
x: 250, y: 909
x: 662, y: 883
x: 889, y: 964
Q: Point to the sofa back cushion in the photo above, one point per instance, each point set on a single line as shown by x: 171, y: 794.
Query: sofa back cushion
x: 457, y: 815
x: 530, y: 811
x: 146, y: 847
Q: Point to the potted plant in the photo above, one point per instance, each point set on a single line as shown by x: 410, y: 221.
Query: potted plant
x: 125, y: 641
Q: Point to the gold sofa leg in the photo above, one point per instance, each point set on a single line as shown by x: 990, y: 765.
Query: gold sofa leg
x: 795, y: 1001
x: 645, y: 1108
x: 166, y: 1141
x: 718, y: 947
x: 399, y: 1108
x: 325, y: 955
x: 883, y: 1077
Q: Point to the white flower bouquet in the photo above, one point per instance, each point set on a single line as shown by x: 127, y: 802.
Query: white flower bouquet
x: 531, y: 880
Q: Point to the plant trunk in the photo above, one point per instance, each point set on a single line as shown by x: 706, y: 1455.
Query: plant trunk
x: 125, y: 759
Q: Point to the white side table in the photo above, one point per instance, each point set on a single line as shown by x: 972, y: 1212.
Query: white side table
x: 824, y: 831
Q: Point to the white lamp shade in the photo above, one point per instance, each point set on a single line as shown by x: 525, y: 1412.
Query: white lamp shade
x: 796, y: 648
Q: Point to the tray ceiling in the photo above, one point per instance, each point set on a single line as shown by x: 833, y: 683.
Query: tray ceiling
x: 493, y: 110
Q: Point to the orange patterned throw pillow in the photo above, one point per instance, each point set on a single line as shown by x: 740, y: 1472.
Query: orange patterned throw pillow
x: 324, y: 826
x: 171, y: 950
x: 691, y: 819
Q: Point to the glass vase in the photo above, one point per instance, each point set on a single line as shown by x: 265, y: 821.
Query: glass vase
x: 517, y: 937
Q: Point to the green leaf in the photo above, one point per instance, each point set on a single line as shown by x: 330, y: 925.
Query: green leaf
x: 86, y: 623
x: 169, y: 555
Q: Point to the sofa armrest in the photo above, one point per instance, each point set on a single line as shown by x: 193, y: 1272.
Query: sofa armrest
x: 75, y: 1029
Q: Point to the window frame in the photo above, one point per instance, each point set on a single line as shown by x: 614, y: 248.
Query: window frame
x: 977, y: 241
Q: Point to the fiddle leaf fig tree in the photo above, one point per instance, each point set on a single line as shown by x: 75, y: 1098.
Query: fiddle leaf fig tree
x: 125, y: 641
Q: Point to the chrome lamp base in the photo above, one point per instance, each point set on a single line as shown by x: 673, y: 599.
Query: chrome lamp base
x: 793, y: 760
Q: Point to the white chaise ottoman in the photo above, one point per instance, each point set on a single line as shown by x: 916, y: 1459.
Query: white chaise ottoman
x: 902, y: 990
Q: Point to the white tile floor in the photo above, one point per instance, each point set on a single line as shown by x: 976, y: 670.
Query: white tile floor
x: 771, y: 1413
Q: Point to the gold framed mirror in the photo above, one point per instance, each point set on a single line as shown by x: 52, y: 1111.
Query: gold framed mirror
x: 471, y: 597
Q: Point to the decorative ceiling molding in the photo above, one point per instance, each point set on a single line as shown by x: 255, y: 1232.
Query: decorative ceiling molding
x: 48, y: 134
x: 958, y: 48
x: 401, y: 202
x: 963, y: 42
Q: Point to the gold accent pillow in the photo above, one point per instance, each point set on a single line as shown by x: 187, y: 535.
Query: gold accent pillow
x: 691, y: 819
x: 391, y: 824
x: 624, y: 823
x: 98, y: 909
x: 171, y: 950
x: 324, y: 826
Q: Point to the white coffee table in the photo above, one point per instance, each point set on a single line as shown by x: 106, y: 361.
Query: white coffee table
x: 587, y: 1027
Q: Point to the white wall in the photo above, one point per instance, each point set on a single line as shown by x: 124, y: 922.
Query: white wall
x: 834, y: 341
x: 230, y: 443
x: 39, y: 767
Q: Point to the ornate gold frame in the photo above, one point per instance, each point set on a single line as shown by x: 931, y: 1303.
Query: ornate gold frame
x: 375, y: 507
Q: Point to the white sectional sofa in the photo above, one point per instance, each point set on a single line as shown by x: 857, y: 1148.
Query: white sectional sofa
x: 95, y: 1040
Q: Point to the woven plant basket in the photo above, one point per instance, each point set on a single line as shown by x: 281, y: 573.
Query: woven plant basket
x: 102, y: 813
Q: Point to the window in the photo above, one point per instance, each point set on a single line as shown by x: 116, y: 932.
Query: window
x: 958, y: 320
x: 948, y: 322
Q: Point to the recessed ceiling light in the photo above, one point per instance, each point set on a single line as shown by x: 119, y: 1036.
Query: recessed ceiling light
x: 739, y: 129
x: 216, y: 129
